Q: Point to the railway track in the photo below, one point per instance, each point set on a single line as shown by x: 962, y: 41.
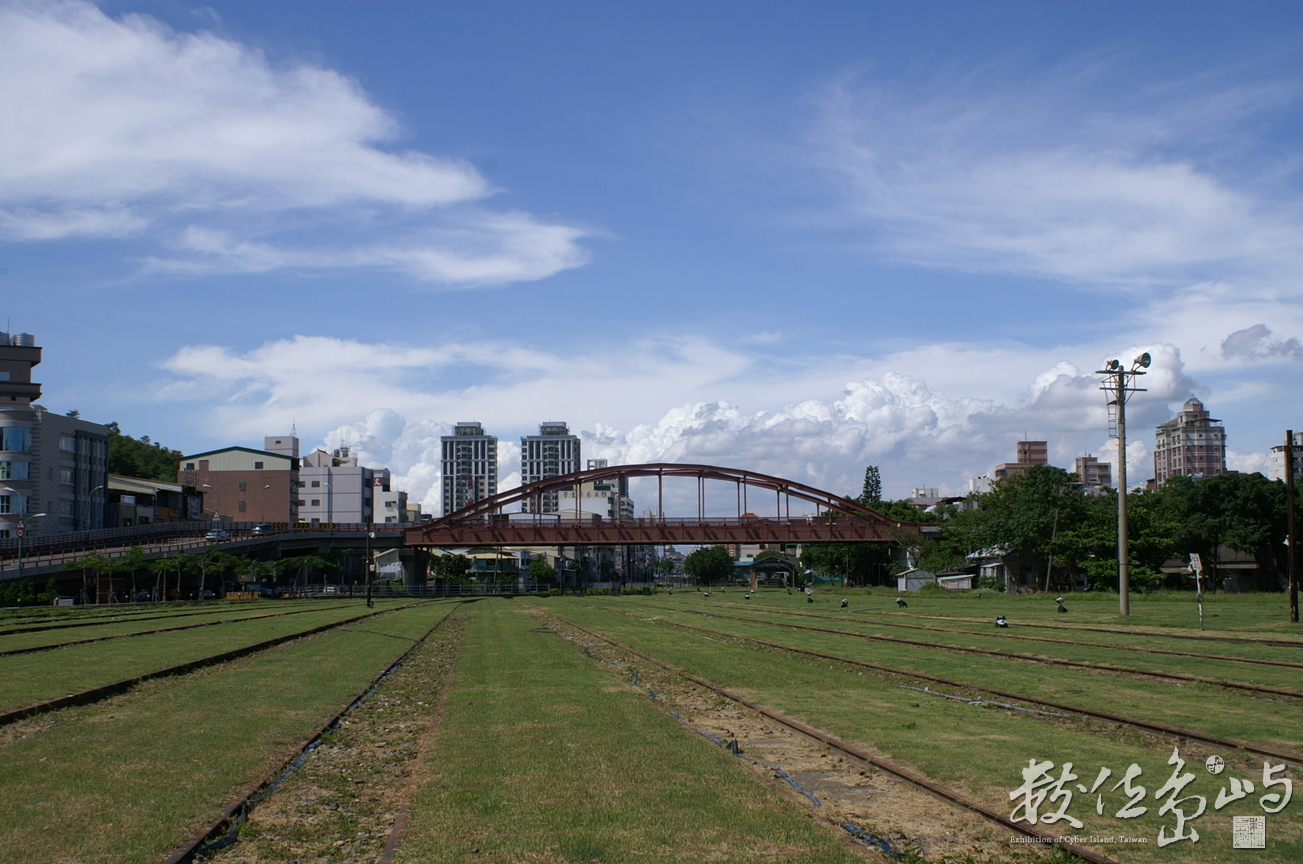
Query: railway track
x: 105, y: 691
x: 889, y: 766
x: 1074, y: 664
x: 1282, y: 643
x: 1119, y: 719
x: 50, y: 647
x: 1285, y: 664
x: 101, y: 621
x: 224, y: 831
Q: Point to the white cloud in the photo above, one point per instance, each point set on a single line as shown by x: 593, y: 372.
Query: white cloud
x: 1255, y: 345
x: 122, y: 127
x: 1033, y: 180
x: 392, y: 403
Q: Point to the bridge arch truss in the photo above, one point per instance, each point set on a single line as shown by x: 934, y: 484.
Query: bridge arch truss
x: 485, y: 523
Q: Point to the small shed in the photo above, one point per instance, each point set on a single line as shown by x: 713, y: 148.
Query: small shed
x: 915, y: 579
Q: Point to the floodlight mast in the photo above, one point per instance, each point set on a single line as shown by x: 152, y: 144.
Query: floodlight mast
x: 1120, y: 389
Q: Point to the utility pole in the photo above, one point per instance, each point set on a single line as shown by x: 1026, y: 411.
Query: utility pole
x: 1287, y: 452
x: 1120, y: 389
x: 369, y: 565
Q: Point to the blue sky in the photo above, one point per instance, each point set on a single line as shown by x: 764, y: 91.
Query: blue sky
x: 798, y: 239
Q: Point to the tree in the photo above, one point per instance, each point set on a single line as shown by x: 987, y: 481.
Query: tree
x: 860, y: 563
x: 142, y: 458
x: 453, y: 568
x: 133, y: 561
x: 92, y: 562
x: 872, y: 493
x: 708, y: 564
x: 540, y: 570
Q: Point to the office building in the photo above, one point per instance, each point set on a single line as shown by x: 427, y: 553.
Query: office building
x: 1094, y: 474
x: 1276, y: 462
x: 550, y: 453
x: 1192, y: 444
x: 50, y: 464
x: 335, y: 489
x: 470, y: 466
x: 1029, y: 453
x: 606, y: 498
x: 240, y: 484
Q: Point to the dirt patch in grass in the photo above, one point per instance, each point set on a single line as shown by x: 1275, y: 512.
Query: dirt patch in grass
x: 341, y: 805
x: 848, y: 790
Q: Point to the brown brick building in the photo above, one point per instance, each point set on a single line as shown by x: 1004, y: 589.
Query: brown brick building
x: 240, y: 484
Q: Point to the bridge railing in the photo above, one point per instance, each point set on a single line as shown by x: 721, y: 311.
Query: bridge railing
x: 84, y: 542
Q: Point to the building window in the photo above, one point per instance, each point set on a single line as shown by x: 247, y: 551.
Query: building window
x: 16, y: 439
x: 13, y: 504
x: 316, y: 484
x: 242, y: 485
x: 189, y: 466
x: 240, y: 506
x: 316, y: 502
x: 68, y: 443
x: 14, y: 470
x: 257, y: 466
x: 66, y: 476
x: 65, y: 508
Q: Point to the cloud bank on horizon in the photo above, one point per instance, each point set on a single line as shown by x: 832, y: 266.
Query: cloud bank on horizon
x: 228, y: 163
x: 921, y: 437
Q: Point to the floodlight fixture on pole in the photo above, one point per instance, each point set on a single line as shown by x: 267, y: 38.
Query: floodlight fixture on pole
x: 1119, y: 384
x: 1287, y: 453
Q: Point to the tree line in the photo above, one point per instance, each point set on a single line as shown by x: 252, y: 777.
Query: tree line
x: 183, y: 576
x: 1048, y: 517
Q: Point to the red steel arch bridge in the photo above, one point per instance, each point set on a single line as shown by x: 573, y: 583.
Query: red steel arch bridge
x: 764, y: 514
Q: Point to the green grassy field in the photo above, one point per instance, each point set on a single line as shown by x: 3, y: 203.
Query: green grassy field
x: 976, y: 749
x: 129, y: 779
x: 545, y: 752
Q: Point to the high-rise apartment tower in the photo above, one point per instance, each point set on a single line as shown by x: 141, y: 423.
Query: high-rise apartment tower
x: 470, y: 466
x: 1191, y: 445
x: 550, y: 453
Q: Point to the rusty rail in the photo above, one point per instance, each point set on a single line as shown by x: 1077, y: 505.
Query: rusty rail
x: 877, y: 761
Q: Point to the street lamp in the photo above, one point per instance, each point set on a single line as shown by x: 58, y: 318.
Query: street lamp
x: 1119, y: 389
x: 217, y: 498
x: 22, y: 530
x: 88, y: 521
x: 264, y: 501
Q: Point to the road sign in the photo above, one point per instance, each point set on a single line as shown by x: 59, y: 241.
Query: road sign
x: 22, y: 528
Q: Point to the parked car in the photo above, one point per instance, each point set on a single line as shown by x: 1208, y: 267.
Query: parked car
x: 218, y: 534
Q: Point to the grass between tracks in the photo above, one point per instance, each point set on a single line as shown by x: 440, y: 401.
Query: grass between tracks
x: 543, y: 757
x: 976, y: 750
x: 1193, y: 705
x: 28, y: 678
x: 129, y: 779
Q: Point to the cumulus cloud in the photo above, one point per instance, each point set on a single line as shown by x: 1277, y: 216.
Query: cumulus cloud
x: 658, y: 401
x: 122, y: 127
x: 996, y: 178
x: 1256, y: 345
x: 368, y: 397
